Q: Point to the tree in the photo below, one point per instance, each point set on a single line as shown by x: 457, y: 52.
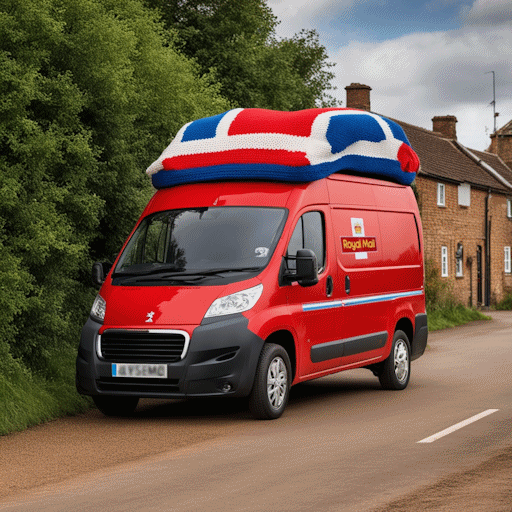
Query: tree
x: 308, y: 60
x: 91, y: 92
x: 237, y: 41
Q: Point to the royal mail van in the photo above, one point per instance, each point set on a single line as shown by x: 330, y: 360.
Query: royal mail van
x: 244, y: 287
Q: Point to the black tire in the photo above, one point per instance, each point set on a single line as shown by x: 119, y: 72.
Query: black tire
x: 271, y: 387
x: 396, y: 369
x: 116, y: 405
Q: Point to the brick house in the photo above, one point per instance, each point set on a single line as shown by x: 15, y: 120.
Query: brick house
x: 465, y: 200
x: 501, y: 144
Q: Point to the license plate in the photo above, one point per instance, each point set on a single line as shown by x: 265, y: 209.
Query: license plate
x: 142, y: 371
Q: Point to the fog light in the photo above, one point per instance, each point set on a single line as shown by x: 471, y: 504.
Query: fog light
x: 226, y: 387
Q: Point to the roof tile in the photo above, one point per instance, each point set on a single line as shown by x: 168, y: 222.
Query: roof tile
x: 441, y: 158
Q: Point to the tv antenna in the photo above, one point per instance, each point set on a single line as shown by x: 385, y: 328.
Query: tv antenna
x: 493, y: 102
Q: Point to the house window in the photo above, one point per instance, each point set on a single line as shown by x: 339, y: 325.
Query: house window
x: 465, y: 194
x: 444, y: 261
x: 440, y: 195
x: 508, y: 265
x: 459, y: 258
x: 509, y: 208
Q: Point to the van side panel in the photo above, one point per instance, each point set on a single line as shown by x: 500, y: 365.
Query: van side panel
x: 380, y: 262
x: 392, y: 262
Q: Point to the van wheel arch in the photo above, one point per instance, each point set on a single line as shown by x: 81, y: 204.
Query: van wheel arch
x: 286, y: 340
x: 395, y: 371
x: 406, y: 326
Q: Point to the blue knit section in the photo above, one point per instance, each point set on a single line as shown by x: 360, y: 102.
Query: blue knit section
x: 346, y: 129
x: 373, y: 167
x: 205, y: 128
x: 397, y: 131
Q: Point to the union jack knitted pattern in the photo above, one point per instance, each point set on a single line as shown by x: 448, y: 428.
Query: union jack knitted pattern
x: 300, y: 146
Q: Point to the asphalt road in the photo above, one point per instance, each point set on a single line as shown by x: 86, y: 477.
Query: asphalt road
x: 343, y: 444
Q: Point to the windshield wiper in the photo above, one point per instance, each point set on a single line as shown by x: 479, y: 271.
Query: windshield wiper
x: 158, y: 270
x: 214, y: 271
x: 184, y: 275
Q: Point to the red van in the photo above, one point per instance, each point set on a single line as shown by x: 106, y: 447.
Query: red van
x: 245, y: 288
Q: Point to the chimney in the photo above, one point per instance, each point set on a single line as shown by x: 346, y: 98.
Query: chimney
x: 358, y: 96
x: 501, y: 143
x: 446, y: 126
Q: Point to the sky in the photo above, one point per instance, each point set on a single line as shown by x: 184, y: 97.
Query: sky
x: 422, y: 58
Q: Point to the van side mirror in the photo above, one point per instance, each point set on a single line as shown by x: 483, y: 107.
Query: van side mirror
x: 307, y: 274
x: 100, y: 271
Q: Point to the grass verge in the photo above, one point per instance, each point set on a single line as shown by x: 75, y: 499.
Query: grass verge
x: 505, y: 304
x: 451, y: 316
x: 27, y: 399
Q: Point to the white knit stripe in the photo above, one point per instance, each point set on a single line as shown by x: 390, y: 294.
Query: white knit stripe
x: 316, y: 147
x: 225, y: 123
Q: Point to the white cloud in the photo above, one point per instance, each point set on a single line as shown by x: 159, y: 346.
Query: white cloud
x: 489, y: 12
x: 295, y: 15
x: 440, y: 4
x: 419, y: 76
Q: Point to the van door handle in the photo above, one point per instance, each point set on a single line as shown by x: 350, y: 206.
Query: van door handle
x: 347, y: 285
x: 328, y: 286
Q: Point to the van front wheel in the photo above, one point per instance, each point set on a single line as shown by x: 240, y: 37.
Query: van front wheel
x: 396, y: 369
x: 271, y: 387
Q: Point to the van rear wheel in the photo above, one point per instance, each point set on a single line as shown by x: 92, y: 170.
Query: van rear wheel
x: 116, y: 405
x: 396, y: 369
x: 271, y: 387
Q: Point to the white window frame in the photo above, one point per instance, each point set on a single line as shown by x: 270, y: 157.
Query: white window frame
x: 509, y: 208
x: 441, y: 194
x: 444, y: 261
x: 465, y: 194
x: 459, y: 270
x: 508, y: 262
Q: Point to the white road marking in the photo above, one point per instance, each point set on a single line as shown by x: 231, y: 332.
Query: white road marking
x: 453, y: 428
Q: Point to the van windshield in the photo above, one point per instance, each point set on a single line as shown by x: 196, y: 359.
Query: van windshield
x: 198, y: 244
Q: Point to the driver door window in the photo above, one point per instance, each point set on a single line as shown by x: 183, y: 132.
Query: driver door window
x: 309, y: 233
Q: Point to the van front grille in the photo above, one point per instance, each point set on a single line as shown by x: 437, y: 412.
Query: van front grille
x: 154, y: 346
x: 144, y: 386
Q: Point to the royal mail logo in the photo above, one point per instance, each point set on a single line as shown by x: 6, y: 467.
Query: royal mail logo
x: 358, y: 244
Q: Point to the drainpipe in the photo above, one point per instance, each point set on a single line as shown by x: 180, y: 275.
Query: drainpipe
x: 487, y: 296
x: 501, y: 179
x: 469, y: 263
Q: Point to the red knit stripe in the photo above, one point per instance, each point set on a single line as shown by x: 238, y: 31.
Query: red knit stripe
x: 237, y: 156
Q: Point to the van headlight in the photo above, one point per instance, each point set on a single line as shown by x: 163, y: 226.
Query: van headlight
x: 235, y: 303
x: 98, y: 308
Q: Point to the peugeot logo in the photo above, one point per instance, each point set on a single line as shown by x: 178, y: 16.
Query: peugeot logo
x: 150, y: 316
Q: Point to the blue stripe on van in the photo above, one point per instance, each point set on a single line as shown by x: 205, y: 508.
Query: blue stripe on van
x: 114, y: 370
x: 380, y: 298
x: 315, y: 306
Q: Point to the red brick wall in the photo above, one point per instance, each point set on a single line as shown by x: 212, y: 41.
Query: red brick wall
x: 358, y: 96
x: 501, y: 236
x: 502, y: 146
x: 445, y: 125
x: 449, y: 225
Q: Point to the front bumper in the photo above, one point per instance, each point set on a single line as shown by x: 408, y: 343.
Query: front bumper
x: 221, y: 351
